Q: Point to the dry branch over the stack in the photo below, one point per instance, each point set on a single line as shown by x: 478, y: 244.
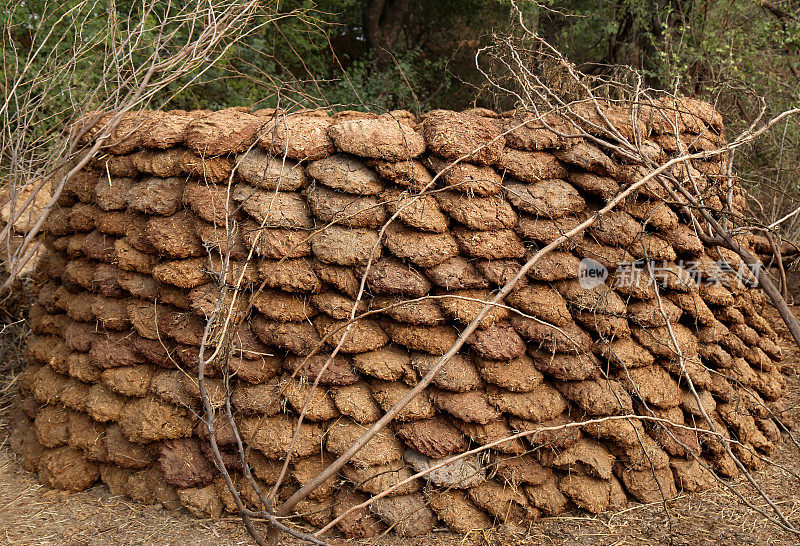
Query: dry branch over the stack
x: 293, y: 209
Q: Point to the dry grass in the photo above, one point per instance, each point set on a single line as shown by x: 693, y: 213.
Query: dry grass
x: 31, y: 514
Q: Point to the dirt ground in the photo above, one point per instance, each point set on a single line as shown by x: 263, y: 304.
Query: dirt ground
x: 32, y: 514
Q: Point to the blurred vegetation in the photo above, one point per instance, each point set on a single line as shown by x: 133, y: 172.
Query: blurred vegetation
x: 385, y: 54
x: 419, y: 55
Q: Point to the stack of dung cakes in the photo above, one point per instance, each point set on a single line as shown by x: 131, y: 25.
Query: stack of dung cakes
x: 378, y: 238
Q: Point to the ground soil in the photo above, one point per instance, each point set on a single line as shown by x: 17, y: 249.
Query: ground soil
x: 32, y: 514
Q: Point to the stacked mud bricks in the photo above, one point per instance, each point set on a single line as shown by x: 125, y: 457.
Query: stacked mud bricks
x: 420, y: 220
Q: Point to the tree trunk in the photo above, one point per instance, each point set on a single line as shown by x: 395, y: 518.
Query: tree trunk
x: 383, y: 22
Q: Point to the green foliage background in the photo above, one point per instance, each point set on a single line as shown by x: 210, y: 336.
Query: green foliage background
x: 697, y: 47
